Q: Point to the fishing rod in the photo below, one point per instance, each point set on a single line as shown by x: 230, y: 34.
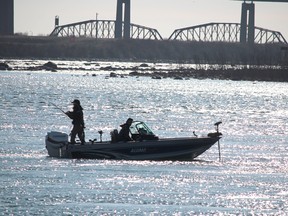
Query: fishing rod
x: 83, y: 132
x: 58, y: 108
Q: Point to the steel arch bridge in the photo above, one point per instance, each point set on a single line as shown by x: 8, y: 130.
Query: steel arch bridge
x: 103, y: 29
x: 224, y: 32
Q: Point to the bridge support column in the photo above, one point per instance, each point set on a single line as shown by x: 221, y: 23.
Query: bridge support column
x: 247, y: 8
x: 6, y: 17
x: 119, y: 33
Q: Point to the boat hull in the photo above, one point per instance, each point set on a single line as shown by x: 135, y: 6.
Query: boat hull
x: 162, y: 149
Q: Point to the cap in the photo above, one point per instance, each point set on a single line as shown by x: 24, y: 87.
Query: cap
x: 76, y: 101
x: 129, y: 120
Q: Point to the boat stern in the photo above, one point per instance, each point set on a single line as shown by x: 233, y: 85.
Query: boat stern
x: 56, y: 144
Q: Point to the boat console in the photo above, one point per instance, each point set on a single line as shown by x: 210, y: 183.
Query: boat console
x: 140, y: 131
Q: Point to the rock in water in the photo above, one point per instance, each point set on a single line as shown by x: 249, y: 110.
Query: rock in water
x: 50, y: 66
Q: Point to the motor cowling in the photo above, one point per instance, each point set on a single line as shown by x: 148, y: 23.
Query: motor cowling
x: 57, y: 137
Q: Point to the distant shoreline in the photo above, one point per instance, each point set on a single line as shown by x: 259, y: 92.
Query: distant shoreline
x: 45, y: 47
x: 264, y: 62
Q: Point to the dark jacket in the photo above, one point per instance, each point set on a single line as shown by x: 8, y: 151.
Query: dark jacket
x: 124, y: 133
x: 76, y: 115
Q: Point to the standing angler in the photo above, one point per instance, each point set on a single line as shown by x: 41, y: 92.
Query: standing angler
x: 78, y: 122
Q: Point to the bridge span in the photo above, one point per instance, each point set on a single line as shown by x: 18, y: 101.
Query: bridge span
x: 224, y: 32
x: 244, y: 32
x: 103, y: 29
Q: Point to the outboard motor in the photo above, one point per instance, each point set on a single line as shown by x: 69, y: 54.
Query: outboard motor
x: 57, y: 137
x: 56, y: 144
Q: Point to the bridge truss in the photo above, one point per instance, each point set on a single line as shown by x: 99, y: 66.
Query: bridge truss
x: 224, y: 32
x: 103, y: 29
x: 210, y: 32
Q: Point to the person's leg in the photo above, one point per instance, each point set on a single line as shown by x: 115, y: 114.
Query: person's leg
x: 81, y: 134
x: 73, y: 134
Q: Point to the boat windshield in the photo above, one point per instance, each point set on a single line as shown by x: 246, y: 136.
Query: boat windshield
x: 140, y: 128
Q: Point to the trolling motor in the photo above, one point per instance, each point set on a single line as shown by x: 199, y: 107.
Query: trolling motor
x: 217, y: 133
x: 217, y: 128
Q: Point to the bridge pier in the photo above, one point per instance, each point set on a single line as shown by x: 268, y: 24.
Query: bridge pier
x: 119, y: 33
x: 6, y: 17
x: 248, y: 11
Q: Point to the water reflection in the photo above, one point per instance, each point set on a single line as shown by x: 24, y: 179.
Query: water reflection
x: 250, y: 180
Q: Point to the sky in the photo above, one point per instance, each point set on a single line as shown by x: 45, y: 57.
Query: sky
x: 36, y: 17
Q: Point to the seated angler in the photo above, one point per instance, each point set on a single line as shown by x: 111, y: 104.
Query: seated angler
x: 124, y: 132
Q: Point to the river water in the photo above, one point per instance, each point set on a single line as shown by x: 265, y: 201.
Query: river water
x: 250, y: 179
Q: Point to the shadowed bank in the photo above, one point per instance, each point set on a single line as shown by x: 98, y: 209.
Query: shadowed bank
x: 133, y: 49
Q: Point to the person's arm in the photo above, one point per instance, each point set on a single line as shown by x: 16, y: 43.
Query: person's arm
x: 70, y: 114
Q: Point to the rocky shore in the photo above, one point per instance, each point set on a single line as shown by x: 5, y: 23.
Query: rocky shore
x: 247, y: 73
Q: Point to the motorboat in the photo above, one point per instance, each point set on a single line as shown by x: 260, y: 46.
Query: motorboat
x: 145, y: 145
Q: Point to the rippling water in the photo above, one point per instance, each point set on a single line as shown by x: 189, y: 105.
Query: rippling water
x: 251, y: 179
